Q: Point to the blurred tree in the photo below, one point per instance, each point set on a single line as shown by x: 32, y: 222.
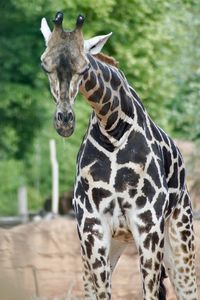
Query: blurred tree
x: 157, y: 45
x: 21, y: 107
x: 183, y: 109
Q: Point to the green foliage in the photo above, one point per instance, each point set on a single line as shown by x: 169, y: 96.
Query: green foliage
x: 187, y: 101
x: 11, y: 177
x: 157, y: 45
x: 184, y: 107
x: 21, y: 115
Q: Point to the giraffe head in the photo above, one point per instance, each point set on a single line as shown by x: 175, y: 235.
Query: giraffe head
x: 65, y: 61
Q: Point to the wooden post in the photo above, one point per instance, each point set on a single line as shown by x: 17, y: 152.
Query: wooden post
x: 54, y: 166
x: 22, y: 203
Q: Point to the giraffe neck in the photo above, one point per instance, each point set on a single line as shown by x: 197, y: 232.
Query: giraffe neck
x: 108, y: 92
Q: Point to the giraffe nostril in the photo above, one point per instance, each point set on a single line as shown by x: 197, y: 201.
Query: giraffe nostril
x: 70, y: 116
x: 60, y: 117
x: 65, y: 117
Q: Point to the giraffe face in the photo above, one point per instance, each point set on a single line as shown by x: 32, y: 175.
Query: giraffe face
x: 64, y: 62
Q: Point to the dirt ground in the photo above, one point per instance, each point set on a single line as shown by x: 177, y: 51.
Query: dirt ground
x: 44, y: 259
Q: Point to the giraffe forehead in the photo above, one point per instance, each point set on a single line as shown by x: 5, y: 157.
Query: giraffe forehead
x: 66, y: 41
x: 67, y: 51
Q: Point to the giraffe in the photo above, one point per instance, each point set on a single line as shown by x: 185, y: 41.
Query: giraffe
x: 130, y: 180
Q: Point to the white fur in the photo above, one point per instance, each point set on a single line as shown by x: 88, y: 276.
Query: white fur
x: 45, y: 30
x: 95, y: 44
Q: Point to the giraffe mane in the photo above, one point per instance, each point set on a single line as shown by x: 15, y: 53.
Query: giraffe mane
x: 107, y: 59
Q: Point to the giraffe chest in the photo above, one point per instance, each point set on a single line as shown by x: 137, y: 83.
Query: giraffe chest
x: 113, y: 185
x: 101, y: 160
x: 106, y: 188
x: 119, y: 171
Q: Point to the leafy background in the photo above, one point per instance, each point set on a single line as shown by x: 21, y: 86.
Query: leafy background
x: 158, y: 48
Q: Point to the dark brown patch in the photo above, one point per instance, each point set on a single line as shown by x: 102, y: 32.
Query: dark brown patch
x: 153, y: 172
x: 141, y: 201
x: 90, y: 239
x: 97, y: 264
x: 102, y: 251
x: 146, y: 217
x: 111, y: 120
x: 115, y: 80
x: 88, y: 249
x: 148, y: 190
x: 125, y: 177
x: 107, y: 95
x: 97, y: 95
x: 103, y: 276
x: 102, y: 295
x: 98, y: 194
x: 115, y: 103
x: 91, y: 82
x: 105, y: 108
x: 136, y: 150
x: 148, y: 263
x: 159, y: 204
x: 150, y: 285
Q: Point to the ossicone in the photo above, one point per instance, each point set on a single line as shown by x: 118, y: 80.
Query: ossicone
x: 79, y: 22
x: 58, y: 18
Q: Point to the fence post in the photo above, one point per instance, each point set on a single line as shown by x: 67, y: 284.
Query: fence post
x: 54, y: 166
x: 22, y: 204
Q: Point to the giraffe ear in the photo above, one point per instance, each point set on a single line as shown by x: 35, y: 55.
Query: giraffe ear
x: 95, y: 44
x: 45, y: 30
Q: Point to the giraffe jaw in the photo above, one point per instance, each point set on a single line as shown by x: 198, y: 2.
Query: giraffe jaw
x: 65, y: 131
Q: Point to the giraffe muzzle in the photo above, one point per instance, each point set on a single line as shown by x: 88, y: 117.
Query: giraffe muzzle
x: 64, y: 123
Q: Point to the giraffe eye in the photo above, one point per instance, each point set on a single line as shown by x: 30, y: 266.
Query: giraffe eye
x: 44, y: 69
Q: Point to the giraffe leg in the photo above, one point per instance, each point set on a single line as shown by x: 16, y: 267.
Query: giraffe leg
x: 116, y: 249
x: 179, y: 256
x: 95, y: 245
x: 89, y: 288
x: 149, y: 240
